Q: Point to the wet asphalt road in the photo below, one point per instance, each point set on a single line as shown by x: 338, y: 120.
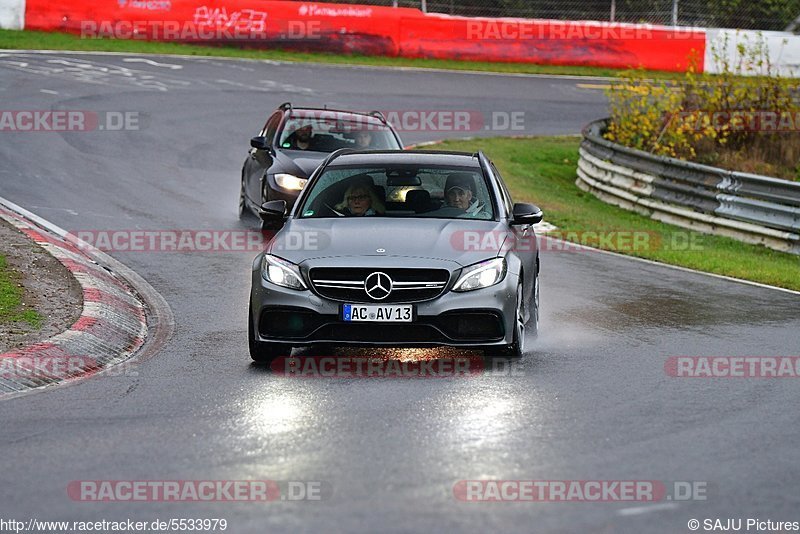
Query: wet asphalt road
x: 590, y: 400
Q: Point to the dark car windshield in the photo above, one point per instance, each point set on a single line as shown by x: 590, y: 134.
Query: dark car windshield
x: 326, y: 131
x: 446, y: 192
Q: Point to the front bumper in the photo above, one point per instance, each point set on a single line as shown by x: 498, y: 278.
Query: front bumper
x: 481, y: 318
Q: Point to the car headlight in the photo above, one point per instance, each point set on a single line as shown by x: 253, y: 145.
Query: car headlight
x: 483, y: 274
x: 290, y: 181
x: 281, y: 272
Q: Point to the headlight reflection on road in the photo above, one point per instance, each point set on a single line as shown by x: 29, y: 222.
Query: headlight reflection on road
x: 394, y: 353
x: 486, y: 418
x: 278, y: 413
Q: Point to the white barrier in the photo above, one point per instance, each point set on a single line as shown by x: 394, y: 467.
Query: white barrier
x: 12, y: 14
x: 783, y: 48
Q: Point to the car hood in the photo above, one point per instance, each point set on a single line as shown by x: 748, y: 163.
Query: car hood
x: 299, y: 163
x: 461, y: 242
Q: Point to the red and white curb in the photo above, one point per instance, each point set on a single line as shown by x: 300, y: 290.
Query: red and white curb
x: 121, y: 312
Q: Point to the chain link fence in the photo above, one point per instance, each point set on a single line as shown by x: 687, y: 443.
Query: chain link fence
x: 743, y: 14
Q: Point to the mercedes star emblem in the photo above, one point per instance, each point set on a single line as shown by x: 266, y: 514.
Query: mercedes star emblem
x: 378, y: 285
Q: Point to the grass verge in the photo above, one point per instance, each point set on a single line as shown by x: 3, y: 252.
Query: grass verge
x: 12, y: 310
x: 542, y: 170
x: 34, y: 40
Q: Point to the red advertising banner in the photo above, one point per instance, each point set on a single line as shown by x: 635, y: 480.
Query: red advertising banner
x: 553, y: 42
x: 372, y: 30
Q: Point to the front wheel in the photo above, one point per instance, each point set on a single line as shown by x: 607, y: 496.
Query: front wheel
x: 242, y: 200
x: 517, y: 347
x: 261, y: 351
x: 533, y: 320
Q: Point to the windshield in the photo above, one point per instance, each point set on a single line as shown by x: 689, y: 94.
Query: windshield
x: 326, y: 131
x: 400, y: 191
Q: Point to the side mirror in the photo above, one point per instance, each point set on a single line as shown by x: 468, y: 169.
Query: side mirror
x: 273, y: 210
x: 259, y: 143
x: 526, y: 214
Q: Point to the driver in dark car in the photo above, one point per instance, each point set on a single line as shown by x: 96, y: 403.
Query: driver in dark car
x: 301, y: 139
x: 363, y: 139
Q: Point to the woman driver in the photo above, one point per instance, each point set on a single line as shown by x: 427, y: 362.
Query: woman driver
x: 360, y: 199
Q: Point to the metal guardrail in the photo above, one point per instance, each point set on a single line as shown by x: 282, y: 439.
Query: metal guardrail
x: 748, y: 207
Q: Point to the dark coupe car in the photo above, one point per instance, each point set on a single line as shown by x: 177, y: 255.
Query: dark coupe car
x: 398, y: 248
x: 294, y: 141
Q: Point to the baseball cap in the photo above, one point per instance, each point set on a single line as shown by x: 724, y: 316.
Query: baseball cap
x: 460, y: 180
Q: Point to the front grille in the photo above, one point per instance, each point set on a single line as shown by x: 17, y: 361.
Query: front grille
x: 408, y: 285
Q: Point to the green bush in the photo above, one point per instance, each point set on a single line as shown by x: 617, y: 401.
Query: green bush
x: 745, y: 118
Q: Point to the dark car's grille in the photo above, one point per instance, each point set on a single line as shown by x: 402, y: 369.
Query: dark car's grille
x: 408, y: 285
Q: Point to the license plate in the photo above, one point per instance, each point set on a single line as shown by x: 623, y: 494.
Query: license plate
x: 378, y: 313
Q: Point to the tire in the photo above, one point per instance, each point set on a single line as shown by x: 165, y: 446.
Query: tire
x: 242, y: 200
x: 517, y: 347
x: 260, y: 351
x: 533, y: 320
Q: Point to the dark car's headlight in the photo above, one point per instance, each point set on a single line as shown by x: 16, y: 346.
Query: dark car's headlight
x: 290, y: 181
x: 483, y: 274
x: 281, y: 272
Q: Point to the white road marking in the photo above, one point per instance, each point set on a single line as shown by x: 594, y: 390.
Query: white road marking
x: 79, y: 64
x: 676, y: 267
x: 226, y: 65
x: 287, y: 87
x: 602, y: 87
x: 544, y: 227
x: 48, y: 91
x: 269, y: 85
x: 151, y: 62
x: 20, y: 64
x: 639, y: 510
x: 71, y: 212
x: 95, y: 73
x: 332, y: 65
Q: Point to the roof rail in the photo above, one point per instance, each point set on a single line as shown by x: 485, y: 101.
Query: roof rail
x: 349, y: 150
x: 379, y: 115
x: 335, y: 154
